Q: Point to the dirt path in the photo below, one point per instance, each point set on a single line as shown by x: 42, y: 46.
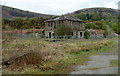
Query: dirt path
x: 99, y: 64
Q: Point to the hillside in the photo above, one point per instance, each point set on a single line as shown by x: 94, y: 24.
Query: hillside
x: 103, y: 11
x: 10, y: 12
x: 108, y: 16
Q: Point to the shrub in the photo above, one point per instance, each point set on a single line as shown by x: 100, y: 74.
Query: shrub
x: 63, y: 30
x: 87, y: 34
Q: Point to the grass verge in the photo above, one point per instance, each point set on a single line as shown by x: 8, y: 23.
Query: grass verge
x: 114, y: 63
x: 63, y: 65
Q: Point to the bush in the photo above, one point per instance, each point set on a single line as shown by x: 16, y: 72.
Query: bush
x: 87, y: 34
x: 63, y: 30
x: 106, y: 33
x: 24, y: 23
x: 91, y: 25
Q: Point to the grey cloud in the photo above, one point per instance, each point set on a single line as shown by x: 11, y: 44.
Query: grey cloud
x: 59, y: 6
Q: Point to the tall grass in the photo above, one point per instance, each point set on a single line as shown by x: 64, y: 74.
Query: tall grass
x: 39, y: 56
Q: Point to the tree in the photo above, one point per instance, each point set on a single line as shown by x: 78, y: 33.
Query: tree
x: 63, y: 30
x: 5, y: 23
x: 87, y: 34
x: 106, y: 33
x: 91, y: 25
x: 6, y: 20
x: 104, y: 27
x: 88, y: 25
x: 18, y: 22
x: 115, y: 26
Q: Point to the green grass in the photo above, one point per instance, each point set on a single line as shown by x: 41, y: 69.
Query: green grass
x: 114, y: 63
x: 73, y: 53
x: 93, y: 68
x: 62, y: 65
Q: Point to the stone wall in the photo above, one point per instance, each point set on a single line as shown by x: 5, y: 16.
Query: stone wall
x: 78, y: 27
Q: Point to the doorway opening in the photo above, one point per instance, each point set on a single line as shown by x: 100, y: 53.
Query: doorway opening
x: 80, y: 34
x: 49, y: 34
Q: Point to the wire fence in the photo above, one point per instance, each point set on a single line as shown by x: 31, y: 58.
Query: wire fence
x: 18, y: 48
x: 63, y: 37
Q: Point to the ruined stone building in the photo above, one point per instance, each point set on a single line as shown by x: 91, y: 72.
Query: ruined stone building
x: 50, y: 26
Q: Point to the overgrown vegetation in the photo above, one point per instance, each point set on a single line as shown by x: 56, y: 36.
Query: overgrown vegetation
x: 23, y: 23
x: 99, y: 21
x: 114, y: 63
x: 87, y: 34
x: 93, y: 20
x: 103, y: 25
x: 54, y: 57
x: 37, y: 56
x: 75, y: 56
x: 62, y: 30
x: 95, y: 16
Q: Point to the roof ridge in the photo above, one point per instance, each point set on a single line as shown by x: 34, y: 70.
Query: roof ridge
x: 69, y: 17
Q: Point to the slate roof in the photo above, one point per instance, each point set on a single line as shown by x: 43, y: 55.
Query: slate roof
x: 64, y: 17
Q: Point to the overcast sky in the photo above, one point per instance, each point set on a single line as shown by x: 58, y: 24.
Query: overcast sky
x: 58, y: 7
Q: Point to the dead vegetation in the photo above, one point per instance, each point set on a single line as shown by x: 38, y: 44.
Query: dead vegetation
x: 21, y: 53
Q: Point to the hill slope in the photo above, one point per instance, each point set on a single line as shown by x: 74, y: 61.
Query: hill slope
x: 10, y: 12
x: 108, y: 15
x: 103, y: 11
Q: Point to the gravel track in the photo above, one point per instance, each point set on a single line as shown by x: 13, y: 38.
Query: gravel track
x: 98, y: 64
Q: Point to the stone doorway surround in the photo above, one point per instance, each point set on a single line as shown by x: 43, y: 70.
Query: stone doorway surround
x: 78, y: 34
